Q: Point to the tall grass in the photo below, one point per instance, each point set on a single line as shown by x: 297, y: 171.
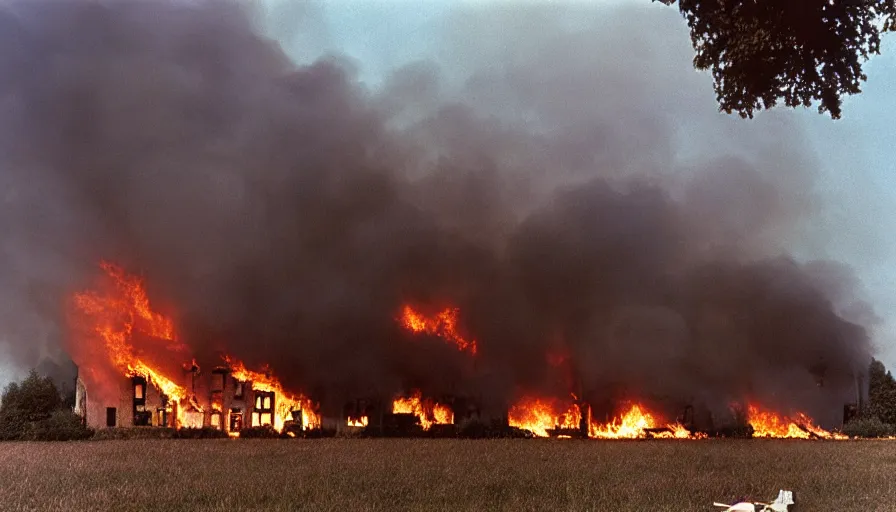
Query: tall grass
x: 436, y: 475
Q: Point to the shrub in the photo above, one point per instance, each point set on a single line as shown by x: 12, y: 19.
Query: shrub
x: 262, y: 432
x: 62, y: 425
x: 124, y: 433
x: 199, y: 433
x: 870, y: 426
x: 12, y: 425
x: 881, y: 393
x: 33, y: 411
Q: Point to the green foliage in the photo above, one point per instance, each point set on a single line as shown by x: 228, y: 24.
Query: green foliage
x: 199, y: 433
x: 33, y: 410
x: 34, y: 399
x: 133, y: 433
x: 868, y: 426
x: 62, y: 425
x: 799, y: 52
x: 12, y: 424
x: 881, y: 393
x: 262, y: 432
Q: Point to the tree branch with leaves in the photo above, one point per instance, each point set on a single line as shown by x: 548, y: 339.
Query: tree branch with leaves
x: 761, y: 52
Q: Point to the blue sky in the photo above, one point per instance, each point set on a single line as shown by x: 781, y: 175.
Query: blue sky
x: 857, y: 171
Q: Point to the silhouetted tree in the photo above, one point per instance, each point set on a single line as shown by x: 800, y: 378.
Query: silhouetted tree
x: 764, y: 51
x: 33, y: 410
x: 881, y: 393
x: 34, y: 399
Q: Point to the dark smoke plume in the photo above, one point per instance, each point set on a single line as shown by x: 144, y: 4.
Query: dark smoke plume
x: 567, y: 184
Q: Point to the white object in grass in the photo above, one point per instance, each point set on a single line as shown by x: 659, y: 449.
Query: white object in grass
x: 781, y: 504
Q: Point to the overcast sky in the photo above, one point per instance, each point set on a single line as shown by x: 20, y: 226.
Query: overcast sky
x: 858, y: 171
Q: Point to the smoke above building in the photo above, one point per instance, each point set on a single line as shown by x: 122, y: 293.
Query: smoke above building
x: 561, y: 184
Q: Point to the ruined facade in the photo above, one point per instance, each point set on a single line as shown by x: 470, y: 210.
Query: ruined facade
x: 215, y: 399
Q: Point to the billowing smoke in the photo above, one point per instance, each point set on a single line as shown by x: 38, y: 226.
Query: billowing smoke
x: 567, y: 184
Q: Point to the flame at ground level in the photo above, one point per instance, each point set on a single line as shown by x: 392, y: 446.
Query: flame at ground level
x: 429, y: 412
x: 357, y: 422
x: 800, y: 426
x: 541, y: 415
x: 538, y: 415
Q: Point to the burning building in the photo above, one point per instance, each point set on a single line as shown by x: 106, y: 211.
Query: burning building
x: 557, y: 244
x: 218, y: 399
x: 117, y: 320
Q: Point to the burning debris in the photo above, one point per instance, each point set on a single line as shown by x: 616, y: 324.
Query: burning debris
x: 427, y: 411
x: 544, y: 416
x: 638, y: 423
x: 800, y: 426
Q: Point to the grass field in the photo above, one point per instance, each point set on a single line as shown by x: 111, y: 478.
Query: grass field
x: 433, y: 475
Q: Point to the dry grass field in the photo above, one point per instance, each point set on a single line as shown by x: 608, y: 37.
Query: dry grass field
x: 451, y: 475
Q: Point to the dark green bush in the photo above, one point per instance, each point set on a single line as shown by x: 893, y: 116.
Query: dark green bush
x: 199, y: 433
x: 868, y: 427
x: 125, y: 433
x: 62, y: 425
x: 881, y: 393
x: 12, y: 424
x: 263, y: 432
x: 33, y: 410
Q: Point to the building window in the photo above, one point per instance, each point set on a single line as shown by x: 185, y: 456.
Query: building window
x: 216, y: 420
x: 142, y: 417
x: 162, y: 417
x: 237, y: 389
x: 217, y: 381
x: 263, y: 414
x: 110, y: 416
x: 236, y: 420
x: 139, y: 384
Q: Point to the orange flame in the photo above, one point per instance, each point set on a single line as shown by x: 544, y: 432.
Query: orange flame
x: 357, y: 422
x: 429, y: 412
x: 443, y: 325
x: 538, y: 415
x: 285, y: 402
x: 115, y: 317
x: 635, y: 423
x: 769, y: 424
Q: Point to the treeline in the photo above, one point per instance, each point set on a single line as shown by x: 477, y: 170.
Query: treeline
x: 35, y: 410
x: 878, y: 417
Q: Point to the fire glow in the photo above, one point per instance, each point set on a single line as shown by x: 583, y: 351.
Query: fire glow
x: 109, y: 321
x: 429, y: 412
x: 634, y: 423
x: 286, y: 403
x: 357, y: 422
x: 539, y: 415
x: 800, y: 426
x: 443, y: 325
x: 118, y: 322
x: 112, y: 319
